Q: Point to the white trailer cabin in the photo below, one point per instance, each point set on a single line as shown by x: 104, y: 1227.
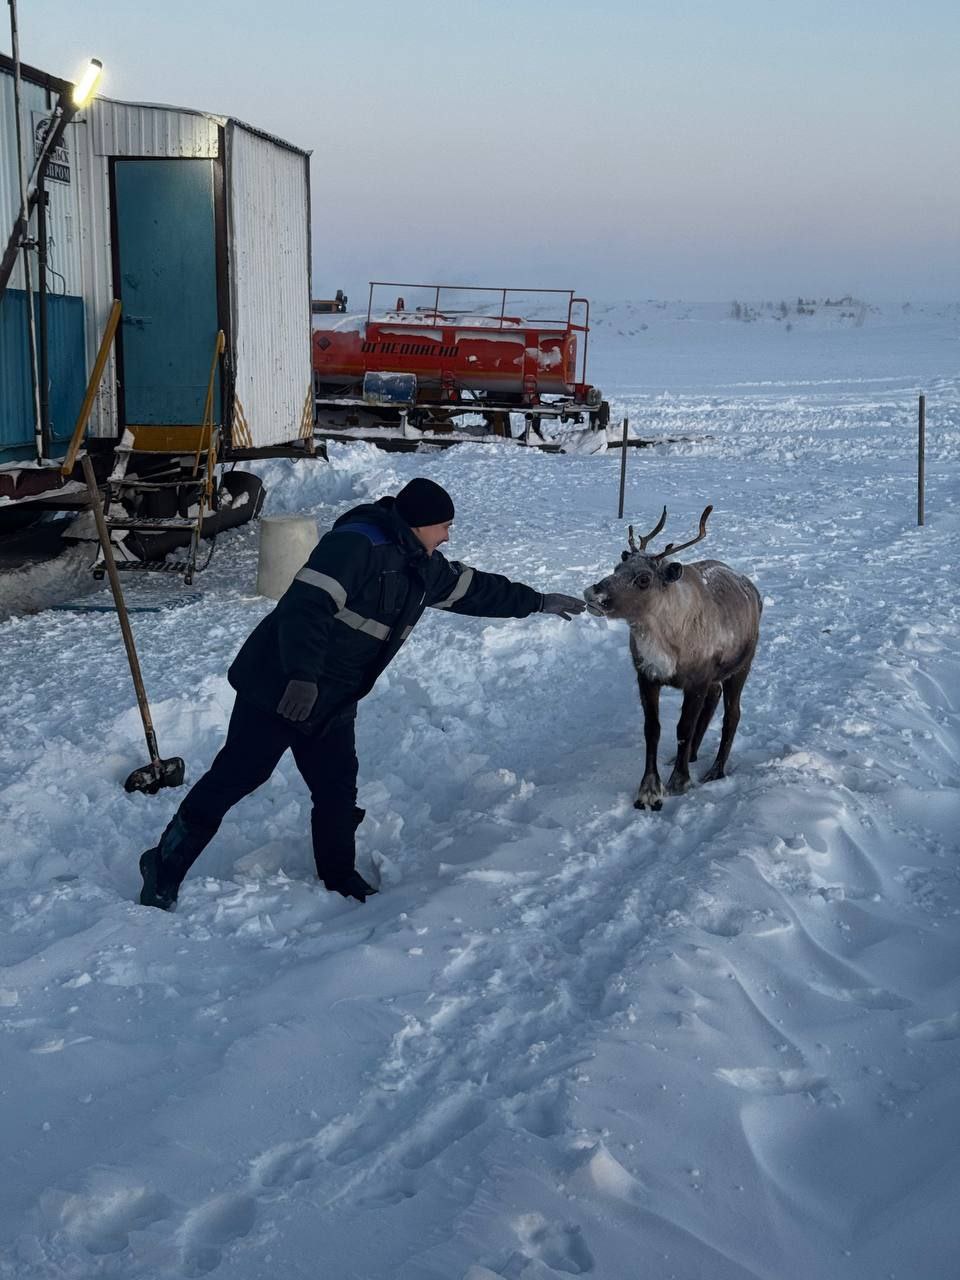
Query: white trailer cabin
x: 206, y: 224
x: 197, y: 223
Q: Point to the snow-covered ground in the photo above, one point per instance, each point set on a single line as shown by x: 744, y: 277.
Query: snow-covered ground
x: 568, y: 1038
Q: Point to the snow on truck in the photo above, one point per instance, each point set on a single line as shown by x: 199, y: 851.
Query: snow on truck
x: 421, y: 367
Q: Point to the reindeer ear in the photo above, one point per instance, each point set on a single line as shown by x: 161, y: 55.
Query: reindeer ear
x: 673, y: 572
x: 624, y: 555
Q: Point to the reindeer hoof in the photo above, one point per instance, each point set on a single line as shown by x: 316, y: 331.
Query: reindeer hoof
x: 649, y: 796
x: 714, y: 774
x: 655, y: 805
x: 678, y: 785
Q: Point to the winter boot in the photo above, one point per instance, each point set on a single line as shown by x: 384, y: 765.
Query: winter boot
x: 351, y: 884
x: 160, y: 889
x: 334, y: 850
x: 164, y: 867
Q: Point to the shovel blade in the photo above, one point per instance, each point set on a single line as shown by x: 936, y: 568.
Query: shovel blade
x: 159, y: 773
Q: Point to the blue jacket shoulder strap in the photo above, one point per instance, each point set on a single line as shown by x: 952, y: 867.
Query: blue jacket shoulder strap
x: 369, y: 530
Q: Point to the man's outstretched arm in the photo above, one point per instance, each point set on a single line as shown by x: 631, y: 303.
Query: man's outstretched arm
x: 463, y: 589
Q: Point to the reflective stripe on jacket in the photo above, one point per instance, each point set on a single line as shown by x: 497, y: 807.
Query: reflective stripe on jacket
x: 354, y: 603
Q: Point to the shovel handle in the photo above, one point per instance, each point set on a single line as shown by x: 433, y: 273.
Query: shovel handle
x: 111, y: 566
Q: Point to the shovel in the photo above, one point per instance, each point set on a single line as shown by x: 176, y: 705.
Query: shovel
x: 158, y: 773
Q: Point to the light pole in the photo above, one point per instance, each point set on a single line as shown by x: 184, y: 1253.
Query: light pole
x: 68, y: 104
x: 31, y: 194
x: 82, y: 93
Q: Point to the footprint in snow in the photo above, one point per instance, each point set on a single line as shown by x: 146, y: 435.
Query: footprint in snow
x: 771, y: 1081
x: 210, y: 1228
x: 285, y: 1165
x: 102, y: 1223
x: 542, y: 1114
x: 444, y: 1128
x: 937, y: 1029
x: 556, y: 1245
x: 601, y: 1172
x: 388, y: 1195
x: 866, y: 997
x: 721, y: 920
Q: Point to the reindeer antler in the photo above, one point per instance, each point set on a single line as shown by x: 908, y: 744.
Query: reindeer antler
x: 651, y: 535
x: 672, y: 549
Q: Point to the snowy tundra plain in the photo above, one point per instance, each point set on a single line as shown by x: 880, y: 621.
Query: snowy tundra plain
x: 718, y: 1042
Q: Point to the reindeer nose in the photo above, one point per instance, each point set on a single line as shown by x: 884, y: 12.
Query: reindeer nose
x: 596, y: 598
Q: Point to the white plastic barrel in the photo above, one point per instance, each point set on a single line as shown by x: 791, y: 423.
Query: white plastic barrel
x: 285, y: 545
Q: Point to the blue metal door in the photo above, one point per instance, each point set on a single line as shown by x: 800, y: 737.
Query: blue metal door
x: 166, y: 278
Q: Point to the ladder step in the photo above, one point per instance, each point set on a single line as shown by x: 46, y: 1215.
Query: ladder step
x: 128, y: 451
x: 155, y: 566
x: 192, y: 482
x: 150, y: 524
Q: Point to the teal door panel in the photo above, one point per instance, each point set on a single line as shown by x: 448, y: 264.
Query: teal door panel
x: 167, y: 282
x: 67, y: 370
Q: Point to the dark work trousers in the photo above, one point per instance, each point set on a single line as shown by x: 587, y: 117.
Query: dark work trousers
x: 256, y: 740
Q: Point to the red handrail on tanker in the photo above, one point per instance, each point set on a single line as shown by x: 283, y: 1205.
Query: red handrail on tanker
x: 585, y: 327
x: 474, y: 288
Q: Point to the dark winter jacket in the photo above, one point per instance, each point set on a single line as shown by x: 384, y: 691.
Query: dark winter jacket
x: 354, y: 603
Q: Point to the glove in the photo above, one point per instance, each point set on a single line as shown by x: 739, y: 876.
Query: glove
x: 562, y: 606
x: 297, y: 701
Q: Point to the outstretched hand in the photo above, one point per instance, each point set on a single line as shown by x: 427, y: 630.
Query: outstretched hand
x: 297, y: 701
x: 562, y: 606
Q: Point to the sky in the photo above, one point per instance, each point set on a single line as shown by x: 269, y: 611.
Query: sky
x: 746, y: 149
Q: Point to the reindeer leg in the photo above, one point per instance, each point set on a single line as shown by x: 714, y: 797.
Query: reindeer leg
x: 706, y: 715
x: 650, y: 795
x: 693, y: 701
x: 732, y: 688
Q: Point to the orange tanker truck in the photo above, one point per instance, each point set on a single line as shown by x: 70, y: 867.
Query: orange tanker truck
x: 437, y: 353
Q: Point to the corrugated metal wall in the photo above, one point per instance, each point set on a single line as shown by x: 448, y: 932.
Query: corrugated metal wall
x: 68, y: 376
x: 34, y: 99
x: 133, y: 129
x: 64, y: 276
x: 269, y: 250
x: 62, y: 208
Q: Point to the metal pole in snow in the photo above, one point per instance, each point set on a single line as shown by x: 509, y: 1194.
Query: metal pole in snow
x: 623, y: 467
x: 24, y: 230
x: 921, y: 455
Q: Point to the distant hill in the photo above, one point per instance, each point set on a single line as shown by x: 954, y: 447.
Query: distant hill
x: 842, y: 312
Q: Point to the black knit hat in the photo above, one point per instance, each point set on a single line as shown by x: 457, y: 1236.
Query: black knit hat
x: 422, y: 502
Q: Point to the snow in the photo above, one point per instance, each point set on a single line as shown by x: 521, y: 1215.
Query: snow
x: 425, y: 317
x: 567, y: 1038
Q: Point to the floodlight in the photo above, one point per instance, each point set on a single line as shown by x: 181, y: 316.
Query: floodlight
x: 83, y: 89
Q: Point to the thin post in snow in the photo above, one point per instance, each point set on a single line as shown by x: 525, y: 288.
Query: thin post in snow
x: 623, y: 467
x: 23, y: 231
x: 921, y: 455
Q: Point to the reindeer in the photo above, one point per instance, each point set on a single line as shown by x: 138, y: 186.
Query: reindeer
x: 694, y: 627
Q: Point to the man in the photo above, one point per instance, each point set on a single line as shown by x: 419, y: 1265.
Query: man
x: 304, y: 668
